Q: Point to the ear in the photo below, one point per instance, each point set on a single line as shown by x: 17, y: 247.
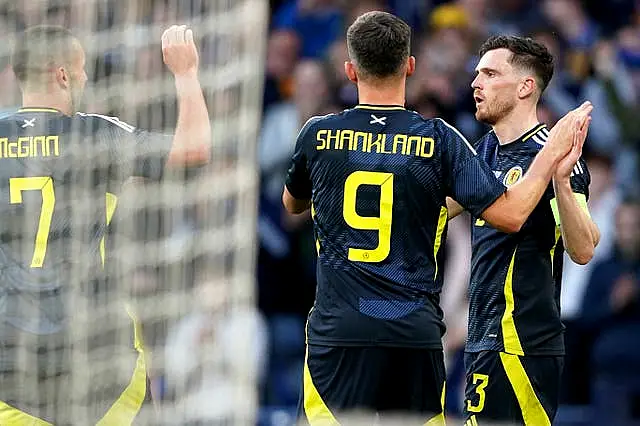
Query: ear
x: 411, y: 65
x: 350, y: 71
x: 527, y: 87
x: 62, y: 77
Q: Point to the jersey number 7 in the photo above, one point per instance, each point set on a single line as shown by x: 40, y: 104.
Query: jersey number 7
x: 382, y: 224
x: 44, y: 184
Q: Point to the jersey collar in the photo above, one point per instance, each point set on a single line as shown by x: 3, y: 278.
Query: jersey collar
x: 39, y: 109
x: 381, y: 107
x: 537, y: 132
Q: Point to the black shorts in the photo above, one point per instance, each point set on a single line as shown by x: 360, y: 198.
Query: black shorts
x: 383, y: 380
x: 39, y: 384
x: 520, y: 390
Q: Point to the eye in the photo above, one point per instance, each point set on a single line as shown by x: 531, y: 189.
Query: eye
x: 491, y: 73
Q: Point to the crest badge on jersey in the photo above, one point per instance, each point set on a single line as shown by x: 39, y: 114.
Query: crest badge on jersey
x: 512, y: 176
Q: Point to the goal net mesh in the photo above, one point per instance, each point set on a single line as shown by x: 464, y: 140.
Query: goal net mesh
x: 179, y: 252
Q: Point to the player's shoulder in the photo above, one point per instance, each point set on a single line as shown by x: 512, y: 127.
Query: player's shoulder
x: 317, y: 119
x: 536, y: 138
x: 98, y: 122
x: 487, y: 139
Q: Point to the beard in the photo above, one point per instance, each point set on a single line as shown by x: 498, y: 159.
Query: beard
x: 491, y: 112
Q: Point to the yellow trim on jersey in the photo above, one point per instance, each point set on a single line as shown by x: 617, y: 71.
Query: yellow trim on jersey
x: 552, y: 252
x: 313, y: 215
x: 439, y: 419
x: 381, y: 108
x: 509, y: 333
x: 534, y: 131
x: 110, y: 202
x: 532, y: 411
x: 442, y: 222
x: 582, y: 202
x: 38, y: 110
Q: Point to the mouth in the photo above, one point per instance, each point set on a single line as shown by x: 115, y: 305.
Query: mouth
x: 478, y: 99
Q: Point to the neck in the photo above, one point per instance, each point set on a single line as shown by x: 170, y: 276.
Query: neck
x: 42, y: 100
x: 514, y: 125
x: 382, y: 92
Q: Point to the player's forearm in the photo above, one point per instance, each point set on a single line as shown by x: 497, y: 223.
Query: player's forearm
x: 576, y: 225
x: 511, y: 211
x: 192, y: 139
x: 294, y: 205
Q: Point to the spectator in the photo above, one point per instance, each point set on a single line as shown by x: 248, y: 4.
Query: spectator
x: 604, y: 198
x: 317, y: 22
x: 282, y: 54
x: 611, y: 311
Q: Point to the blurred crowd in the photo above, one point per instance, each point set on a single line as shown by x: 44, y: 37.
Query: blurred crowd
x: 596, y: 46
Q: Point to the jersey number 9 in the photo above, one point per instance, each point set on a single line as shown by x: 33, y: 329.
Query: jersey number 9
x: 382, y: 224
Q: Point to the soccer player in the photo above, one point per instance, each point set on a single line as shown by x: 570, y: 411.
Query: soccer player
x: 376, y: 179
x: 56, y: 165
x: 515, y: 348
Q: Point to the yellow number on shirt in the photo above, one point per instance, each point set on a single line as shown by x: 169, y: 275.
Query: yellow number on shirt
x: 382, y: 224
x: 44, y: 184
x: 481, y: 381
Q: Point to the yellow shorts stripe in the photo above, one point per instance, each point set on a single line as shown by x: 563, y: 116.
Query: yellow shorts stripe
x: 532, y: 411
x: 439, y: 419
x: 121, y: 413
x: 315, y: 409
x: 10, y: 416
x: 128, y: 405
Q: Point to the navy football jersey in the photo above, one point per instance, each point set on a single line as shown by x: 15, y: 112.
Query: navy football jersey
x: 55, y: 173
x: 377, y: 178
x: 514, y: 292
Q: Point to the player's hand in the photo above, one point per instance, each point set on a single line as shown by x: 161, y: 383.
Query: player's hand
x: 179, y: 51
x: 566, y: 165
x: 561, y: 137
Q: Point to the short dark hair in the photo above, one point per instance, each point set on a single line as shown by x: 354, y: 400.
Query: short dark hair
x: 526, y: 53
x: 379, y: 44
x: 39, y: 48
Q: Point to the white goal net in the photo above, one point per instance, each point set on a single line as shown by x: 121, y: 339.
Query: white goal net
x: 179, y: 250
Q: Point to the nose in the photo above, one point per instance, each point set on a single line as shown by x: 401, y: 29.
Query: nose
x: 475, y: 84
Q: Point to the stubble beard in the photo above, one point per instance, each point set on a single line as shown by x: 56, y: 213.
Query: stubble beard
x: 494, y: 112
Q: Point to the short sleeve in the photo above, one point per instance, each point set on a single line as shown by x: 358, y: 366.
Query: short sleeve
x: 579, y: 180
x: 468, y: 178
x: 132, y: 151
x: 298, y: 180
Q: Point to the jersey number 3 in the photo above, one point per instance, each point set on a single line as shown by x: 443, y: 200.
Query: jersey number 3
x: 382, y: 224
x: 44, y: 184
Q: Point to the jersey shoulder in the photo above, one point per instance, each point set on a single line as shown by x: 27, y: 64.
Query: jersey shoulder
x: 98, y: 122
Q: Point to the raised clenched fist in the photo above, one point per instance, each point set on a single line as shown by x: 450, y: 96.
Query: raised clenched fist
x: 179, y: 51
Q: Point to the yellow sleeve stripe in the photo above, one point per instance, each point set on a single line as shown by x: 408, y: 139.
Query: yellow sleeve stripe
x: 582, y: 202
x: 111, y: 202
